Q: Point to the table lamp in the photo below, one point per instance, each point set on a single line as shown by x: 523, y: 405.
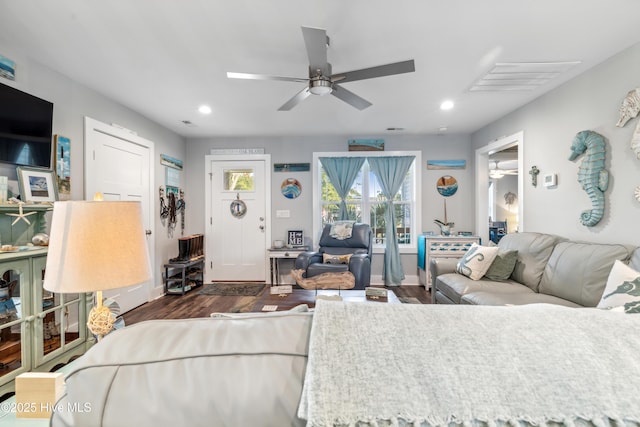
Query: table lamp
x: 96, y: 246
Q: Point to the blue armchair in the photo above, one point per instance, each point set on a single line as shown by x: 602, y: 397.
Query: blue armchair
x: 330, y: 257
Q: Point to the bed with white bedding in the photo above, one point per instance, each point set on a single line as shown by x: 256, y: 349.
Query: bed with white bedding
x: 367, y: 364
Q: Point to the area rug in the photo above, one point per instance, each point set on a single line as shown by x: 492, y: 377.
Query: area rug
x: 232, y: 289
x: 409, y: 300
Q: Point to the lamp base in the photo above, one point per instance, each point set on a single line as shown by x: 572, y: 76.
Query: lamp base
x: 100, y: 321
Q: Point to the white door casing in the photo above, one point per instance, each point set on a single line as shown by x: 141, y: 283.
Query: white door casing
x: 236, y: 246
x: 482, y: 181
x: 119, y: 165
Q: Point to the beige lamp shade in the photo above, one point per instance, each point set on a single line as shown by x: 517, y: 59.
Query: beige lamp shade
x: 96, y: 246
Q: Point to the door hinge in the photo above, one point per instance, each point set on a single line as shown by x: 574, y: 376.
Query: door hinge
x: 210, y: 176
x: 210, y: 220
x: 211, y: 265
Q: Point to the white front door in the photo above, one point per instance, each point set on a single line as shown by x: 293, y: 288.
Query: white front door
x: 237, y: 234
x: 118, y: 164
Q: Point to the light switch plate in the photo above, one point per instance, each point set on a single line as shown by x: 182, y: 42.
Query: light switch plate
x: 283, y: 213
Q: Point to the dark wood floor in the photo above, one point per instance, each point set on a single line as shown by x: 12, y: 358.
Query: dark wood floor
x: 193, y: 305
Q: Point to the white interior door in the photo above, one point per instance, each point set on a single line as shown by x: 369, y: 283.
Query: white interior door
x: 118, y: 164
x: 236, y: 241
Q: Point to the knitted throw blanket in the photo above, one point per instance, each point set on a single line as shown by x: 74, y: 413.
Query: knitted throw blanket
x: 424, y: 365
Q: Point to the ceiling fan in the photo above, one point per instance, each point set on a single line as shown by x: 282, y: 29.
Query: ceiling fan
x: 497, y: 173
x: 321, y: 81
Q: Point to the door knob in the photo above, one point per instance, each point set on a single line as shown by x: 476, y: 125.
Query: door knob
x: 147, y: 232
x: 262, y: 227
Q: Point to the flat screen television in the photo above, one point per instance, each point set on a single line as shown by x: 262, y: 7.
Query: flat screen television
x: 25, y: 128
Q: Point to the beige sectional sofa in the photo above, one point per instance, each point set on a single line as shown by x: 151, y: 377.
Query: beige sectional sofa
x: 549, y: 269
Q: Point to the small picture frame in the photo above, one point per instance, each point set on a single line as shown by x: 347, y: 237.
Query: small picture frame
x: 37, y: 184
x: 295, y: 238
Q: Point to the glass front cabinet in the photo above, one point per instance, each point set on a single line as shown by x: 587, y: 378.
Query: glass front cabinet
x: 38, y: 329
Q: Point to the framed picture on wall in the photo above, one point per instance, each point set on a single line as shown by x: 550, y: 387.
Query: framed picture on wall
x: 37, y: 184
x: 62, y: 166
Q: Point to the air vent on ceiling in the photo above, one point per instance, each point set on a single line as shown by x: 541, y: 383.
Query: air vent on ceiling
x: 520, y: 76
x: 188, y: 123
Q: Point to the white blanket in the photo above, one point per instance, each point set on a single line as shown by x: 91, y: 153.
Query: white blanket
x: 426, y: 365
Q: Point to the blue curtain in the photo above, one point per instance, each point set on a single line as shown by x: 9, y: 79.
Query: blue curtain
x: 342, y: 172
x: 391, y: 172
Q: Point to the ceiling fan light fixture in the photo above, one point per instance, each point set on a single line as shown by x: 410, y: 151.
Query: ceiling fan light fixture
x: 319, y: 86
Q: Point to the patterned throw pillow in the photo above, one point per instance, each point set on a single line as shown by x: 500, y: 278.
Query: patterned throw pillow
x: 341, y: 230
x: 502, y: 267
x: 476, y: 261
x: 623, y: 289
x: 336, y: 259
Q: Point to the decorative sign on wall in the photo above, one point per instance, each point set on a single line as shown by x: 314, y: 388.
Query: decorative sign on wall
x: 366, y: 144
x: 291, y: 167
x: 170, y: 161
x: 446, y: 164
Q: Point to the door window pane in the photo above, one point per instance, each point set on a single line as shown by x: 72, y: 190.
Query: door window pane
x: 239, y: 180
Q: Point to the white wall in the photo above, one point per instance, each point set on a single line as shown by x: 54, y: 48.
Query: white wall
x: 588, y: 102
x: 300, y: 149
x: 72, y: 101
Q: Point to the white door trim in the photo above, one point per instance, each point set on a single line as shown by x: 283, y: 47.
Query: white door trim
x: 92, y: 124
x: 208, y: 202
x: 482, y: 182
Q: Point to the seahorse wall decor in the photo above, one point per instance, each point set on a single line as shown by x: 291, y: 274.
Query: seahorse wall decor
x: 591, y: 174
x: 628, y: 110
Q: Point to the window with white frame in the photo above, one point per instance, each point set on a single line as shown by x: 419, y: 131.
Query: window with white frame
x: 365, y: 200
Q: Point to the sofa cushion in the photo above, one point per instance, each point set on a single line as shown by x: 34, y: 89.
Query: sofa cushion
x: 534, y: 250
x: 622, y: 290
x: 513, y: 298
x: 502, y: 266
x: 454, y: 286
x: 476, y: 261
x: 578, y: 271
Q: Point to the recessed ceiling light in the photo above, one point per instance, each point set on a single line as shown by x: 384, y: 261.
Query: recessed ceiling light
x: 446, y: 105
x: 204, y: 109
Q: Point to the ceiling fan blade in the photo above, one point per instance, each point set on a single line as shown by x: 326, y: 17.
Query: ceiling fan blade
x: 248, y: 76
x: 350, y: 97
x: 379, y: 71
x: 297, y: 98
x: 315, y: 40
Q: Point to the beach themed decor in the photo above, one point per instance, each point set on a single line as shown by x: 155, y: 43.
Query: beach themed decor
x: 447, y: 186
x: 628, y: 110
x: 366, y: 144
x: 592, y: 175
x: 446, y: 164
x: 291, y: 188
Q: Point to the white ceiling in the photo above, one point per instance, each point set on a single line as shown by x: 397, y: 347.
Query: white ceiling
x: 163, y: 58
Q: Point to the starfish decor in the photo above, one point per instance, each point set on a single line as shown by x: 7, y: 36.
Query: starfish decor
x: 21, y: 215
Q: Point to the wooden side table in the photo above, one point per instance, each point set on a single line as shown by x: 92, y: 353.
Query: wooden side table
x: 275, y: 255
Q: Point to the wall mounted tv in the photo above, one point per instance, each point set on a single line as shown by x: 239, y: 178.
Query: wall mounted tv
x: 25, y: 128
